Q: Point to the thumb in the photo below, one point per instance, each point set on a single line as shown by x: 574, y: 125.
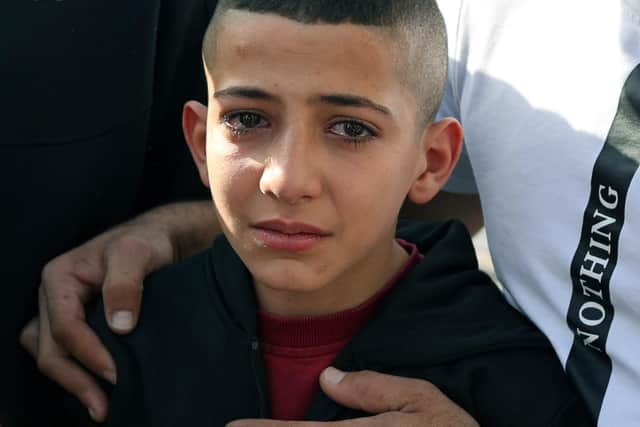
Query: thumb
x: 375, y: 393
x: 127, y: 262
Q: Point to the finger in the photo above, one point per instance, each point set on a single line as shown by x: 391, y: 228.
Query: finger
x: 29, y: 337
x: 395, y: 419
x: 77, y: 382
x: 84, y: 263
x: 53, y: 363
x: 128, y: 261
x: 63, y: 325
x: 374, y: 392
x: 274, y: 423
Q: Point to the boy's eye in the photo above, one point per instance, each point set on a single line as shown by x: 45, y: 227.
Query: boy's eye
x: 242, y: 122
x: 352, y: 130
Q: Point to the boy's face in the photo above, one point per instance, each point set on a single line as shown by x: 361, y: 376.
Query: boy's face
x: 312, y: 146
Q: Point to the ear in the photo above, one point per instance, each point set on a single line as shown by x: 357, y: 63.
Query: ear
x: 441, y: 145
x: 194, y: 126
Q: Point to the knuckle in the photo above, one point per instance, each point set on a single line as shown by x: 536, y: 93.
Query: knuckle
x: 426, y: 388
x: 130, y: 243
x: 124, y: 286
x: 82, y: 387
x: 28, y: 335
x: 24, y: 338
x: 83, y: 261
x: 44, y: 365
x: 60, y: 330
x: 52, y: 269
x: 414, y: 400
x: 367, y: 390
x: 418, y: 394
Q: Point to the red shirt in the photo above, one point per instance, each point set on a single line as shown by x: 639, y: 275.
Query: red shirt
x: 297, y: 349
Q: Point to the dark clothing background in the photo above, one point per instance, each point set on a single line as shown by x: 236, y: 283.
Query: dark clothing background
x: 91, y: 101
x: 195, y: 358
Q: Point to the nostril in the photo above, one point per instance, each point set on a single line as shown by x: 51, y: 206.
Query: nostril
x: 289, y: 177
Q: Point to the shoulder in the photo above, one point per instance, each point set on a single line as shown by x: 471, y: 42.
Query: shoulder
x: 206, y: 291
x: 172, y: 294
x: 189, y: 318
x: 524, y: 387
x: 448, y: 308
x: 527, y: 384
x: 180, y: 282
x: 176, y: 313
x: 441, y: 242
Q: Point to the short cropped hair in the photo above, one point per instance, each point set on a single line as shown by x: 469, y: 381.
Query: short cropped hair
x: 416, y: 25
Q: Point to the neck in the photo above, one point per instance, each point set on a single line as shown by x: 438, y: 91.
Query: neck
x: 350, y: 289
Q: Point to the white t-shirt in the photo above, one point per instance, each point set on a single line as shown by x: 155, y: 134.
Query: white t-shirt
x: 545, y: 90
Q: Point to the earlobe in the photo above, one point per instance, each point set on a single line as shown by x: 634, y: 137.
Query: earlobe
x: 441, y: 145
x: 194, y: 126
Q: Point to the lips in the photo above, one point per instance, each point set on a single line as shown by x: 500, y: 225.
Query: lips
x: 286, y: 227
x: 288, y: 236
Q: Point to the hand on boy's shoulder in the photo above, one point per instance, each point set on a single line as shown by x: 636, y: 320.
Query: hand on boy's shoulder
x: 115, y: 264
x: 396, y: 401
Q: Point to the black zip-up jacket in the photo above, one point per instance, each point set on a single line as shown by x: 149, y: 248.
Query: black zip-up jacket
x: 195, y: 357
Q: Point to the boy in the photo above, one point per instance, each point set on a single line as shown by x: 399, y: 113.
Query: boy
x: 319, y: 115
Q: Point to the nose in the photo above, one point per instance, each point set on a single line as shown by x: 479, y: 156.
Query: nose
x: 291, y: 170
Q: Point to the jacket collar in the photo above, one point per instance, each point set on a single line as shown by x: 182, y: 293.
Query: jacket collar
x: 441, y: 311
x: 233, y: 282
x: 448, y: 254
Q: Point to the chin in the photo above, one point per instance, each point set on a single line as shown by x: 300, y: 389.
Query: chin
x: 289, y: 278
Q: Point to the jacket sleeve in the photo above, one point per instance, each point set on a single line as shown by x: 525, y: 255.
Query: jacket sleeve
x: 522, y: 387
x: 126, y: 398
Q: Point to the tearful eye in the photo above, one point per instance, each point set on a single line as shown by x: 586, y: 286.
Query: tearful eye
x: 244, y: 122
x: 352, y: 130
x: 249, y: 120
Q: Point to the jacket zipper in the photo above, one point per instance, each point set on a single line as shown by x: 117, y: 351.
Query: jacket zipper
x: 259, y: 374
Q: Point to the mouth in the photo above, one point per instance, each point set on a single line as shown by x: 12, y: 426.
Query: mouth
x: 288, y: 236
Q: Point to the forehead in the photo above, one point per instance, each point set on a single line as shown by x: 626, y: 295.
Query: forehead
x: 286, y: 55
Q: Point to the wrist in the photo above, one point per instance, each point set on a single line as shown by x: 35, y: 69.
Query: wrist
x: 189, y: 227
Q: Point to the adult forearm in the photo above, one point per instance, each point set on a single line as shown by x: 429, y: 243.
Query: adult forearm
x: 190, y: 226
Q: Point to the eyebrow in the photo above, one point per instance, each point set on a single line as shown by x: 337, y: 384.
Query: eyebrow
x: 244, y: 92
x: 353, y: 101
x: 340, y: 99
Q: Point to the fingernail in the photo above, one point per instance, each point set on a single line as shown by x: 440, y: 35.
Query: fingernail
x: 110, y: 376
x: 92, y: 414
x: 122, y: 320
x: 332, y: 375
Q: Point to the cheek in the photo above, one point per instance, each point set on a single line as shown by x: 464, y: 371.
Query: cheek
x: 233, y: 179
x: 376, y: 187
